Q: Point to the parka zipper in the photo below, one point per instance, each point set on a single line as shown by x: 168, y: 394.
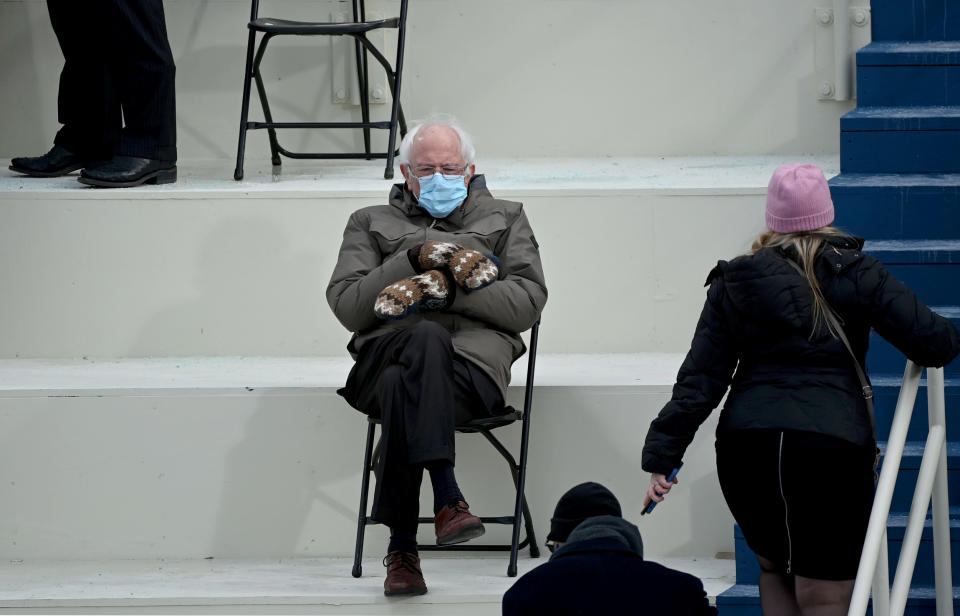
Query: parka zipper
x: 786, y: 515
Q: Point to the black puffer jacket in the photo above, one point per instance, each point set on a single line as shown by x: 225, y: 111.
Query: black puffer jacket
x: 758, y: 320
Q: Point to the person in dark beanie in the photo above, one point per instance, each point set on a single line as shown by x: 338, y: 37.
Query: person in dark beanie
x: 597, y: 567
x: 785, y: 329
x: 580, y: 502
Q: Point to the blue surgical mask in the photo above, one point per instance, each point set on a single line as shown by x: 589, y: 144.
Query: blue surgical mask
x: 441, y: 194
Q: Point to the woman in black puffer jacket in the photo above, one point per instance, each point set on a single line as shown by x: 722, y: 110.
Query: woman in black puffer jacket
x: 795, y: 426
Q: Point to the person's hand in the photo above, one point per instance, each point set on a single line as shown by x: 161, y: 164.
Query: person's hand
x: 659, y: 488
x: 470, y: 269
x: 427, y: 291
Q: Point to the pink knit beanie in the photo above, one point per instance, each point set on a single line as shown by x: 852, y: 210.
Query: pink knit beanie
x: 798, y: 199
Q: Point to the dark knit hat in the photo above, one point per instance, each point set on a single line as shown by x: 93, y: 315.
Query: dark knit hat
x: 579, y: 503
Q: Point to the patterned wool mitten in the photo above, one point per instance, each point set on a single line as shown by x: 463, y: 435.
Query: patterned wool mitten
x: 427, y: 291
x: 471, y: 269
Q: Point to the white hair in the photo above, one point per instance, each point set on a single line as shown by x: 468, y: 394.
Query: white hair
x: 467, y: 151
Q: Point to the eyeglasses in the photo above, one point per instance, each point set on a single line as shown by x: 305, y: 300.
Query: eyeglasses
x: 426, y: 170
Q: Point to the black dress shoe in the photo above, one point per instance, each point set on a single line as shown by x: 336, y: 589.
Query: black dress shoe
x: 125, y: 171
x: 58, y: 161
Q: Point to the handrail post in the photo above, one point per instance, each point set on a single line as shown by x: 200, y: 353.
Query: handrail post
x: 915, y: 521
x: 936, y: 412
x: 876, y: 529
x: 881, y: 579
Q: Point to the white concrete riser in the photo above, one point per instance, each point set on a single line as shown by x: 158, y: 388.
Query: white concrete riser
x: 143, y: 277
x: 274, y: 473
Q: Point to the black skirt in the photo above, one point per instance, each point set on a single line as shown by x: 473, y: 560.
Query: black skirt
x: 801, y: 499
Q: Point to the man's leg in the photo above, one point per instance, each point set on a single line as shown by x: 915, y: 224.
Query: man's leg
x: 397, y: 496
x: 142, y: 66
x: 86, y: 105
x: 443, y: 390
x: 145, y: 65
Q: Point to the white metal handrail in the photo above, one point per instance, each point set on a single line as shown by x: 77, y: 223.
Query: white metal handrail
x: 932, y: 481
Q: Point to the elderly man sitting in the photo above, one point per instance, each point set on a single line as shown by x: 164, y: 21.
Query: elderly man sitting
x: 436, y: 287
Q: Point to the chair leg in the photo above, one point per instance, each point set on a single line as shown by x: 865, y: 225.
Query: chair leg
x: 363, y: 85
x: 531, y: 535
x: 364, y: 489
x: 396, y: 113
x: 521, y: 486
x: 518, y: 474
x: 245, y: 107
x: 264, y: 103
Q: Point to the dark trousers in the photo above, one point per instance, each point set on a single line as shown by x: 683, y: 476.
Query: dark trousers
x: 418, y: 387
x: 117, y: 84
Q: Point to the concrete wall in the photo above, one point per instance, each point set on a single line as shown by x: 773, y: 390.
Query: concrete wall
x: 530, y: 77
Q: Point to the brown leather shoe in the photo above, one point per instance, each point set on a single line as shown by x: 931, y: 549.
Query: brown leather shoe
x: 403, y: 575
x: 455, y: 524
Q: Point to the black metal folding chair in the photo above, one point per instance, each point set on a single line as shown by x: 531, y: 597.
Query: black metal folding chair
x: 521, y: 513
x: 358, y: 29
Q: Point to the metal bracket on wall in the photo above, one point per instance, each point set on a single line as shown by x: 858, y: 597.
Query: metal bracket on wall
x: 844, y: 28
x: 345, y: 89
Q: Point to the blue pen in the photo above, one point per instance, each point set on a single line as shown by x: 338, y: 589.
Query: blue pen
x: 671, y: 477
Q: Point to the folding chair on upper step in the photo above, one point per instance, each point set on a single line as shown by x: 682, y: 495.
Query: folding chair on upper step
x: 270, y: 27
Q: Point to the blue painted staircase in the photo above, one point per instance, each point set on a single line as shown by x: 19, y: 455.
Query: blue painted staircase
x: 899, y: 188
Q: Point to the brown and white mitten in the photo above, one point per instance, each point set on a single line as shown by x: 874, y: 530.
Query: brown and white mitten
x: 427, y: 291
x: 471, y: 269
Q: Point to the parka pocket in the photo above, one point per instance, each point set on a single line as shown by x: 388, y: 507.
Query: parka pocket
x: 483, y: 235
x: 393, y: 236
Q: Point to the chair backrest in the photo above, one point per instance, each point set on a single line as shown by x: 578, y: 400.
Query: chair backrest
x: 359, y: 10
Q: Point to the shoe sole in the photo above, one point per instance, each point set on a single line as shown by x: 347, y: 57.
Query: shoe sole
x: 410, y: 592
x: 47, y: 174
x: 463, y: 535
x: 160, y: 176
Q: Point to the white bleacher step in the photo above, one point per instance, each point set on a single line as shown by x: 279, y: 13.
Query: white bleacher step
x: 472, y: 586
x: 61, y: 377
x: 253, y: 457
x: 210, y: 266
x: 508, y: 177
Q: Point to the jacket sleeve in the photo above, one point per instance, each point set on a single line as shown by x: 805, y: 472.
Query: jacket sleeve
x: 361, y: 273
x: 701, y: 383
x: 699, y: 603
x: 895, y: 312
x: 514, y: 302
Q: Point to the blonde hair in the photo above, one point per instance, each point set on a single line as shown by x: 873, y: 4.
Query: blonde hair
x: 807, y: 245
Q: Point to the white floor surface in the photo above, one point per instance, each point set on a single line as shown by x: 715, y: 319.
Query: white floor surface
x: 315, y: 585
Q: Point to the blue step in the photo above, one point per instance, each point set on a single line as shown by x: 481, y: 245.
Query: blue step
x: 928, y: 267
x: 744, y: 600
x: 907, y: 481
x: 901, y: 140
x: 748, y: 571
x: 884, y: 358
x: 915, y: 252
x: 908, y: 73
x: 923, y: 573
x: 886, y: 389
x: 916, y: 20
x: 897, y: 207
